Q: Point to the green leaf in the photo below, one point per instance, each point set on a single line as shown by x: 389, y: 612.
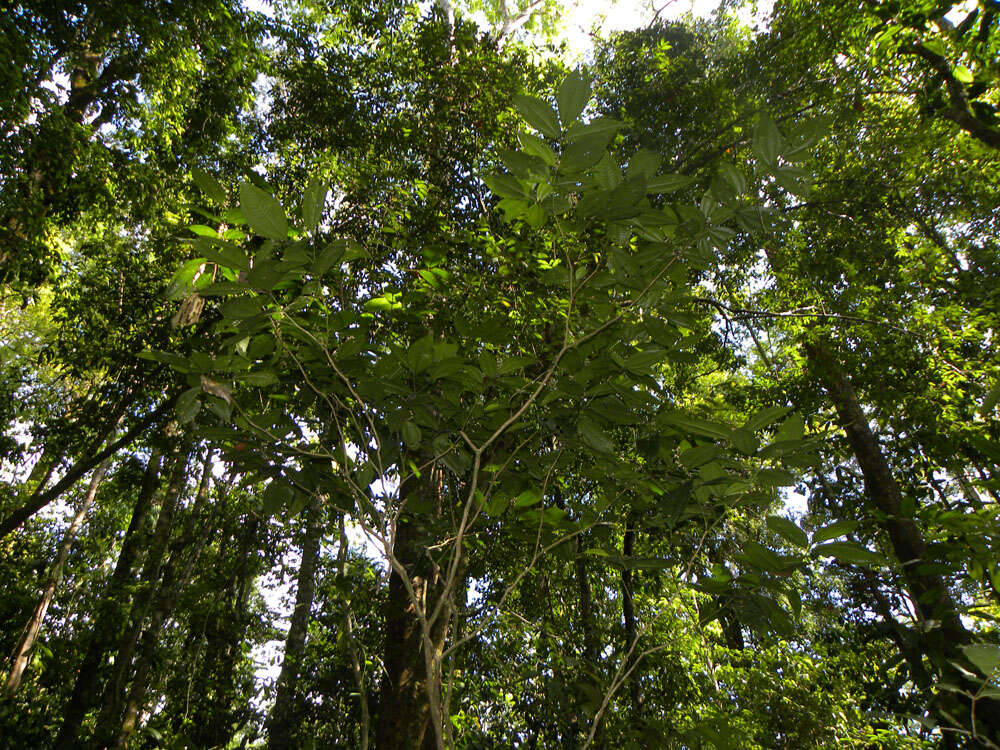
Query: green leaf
x: 963, y: 74
x: 644, y: 363
x: 263, y: 212
x: 275, y: 497
x: 539, y: 115
x: 535, y: 146
x: 791, y: 430
x: 572, y: 97
x: 694, y: 425
x: 699, y: 455
x: 642, y: 165
x: 313, y: 201
x: 774, y: 478
x: 411, y: 435
x: 505, y: 185
x: 488, y: 364
x: 331, y: 256
x: 744, y: 441
x: 766, y: 417
x: 242, y: 308
x: 513, y: 364
x: 734, y: 177
x: 787, y: 530
x: 208, y: 185
x: 849, y: 552
x: 183, y: 278
x: 761, y: 557
x: 203, y: 231
x: 581, y: 155
x: 260, y: 379
x: 188, y: 405
x: 766, y: 140
x: 527, y: 498
x: 835, y: 529
x: 985, y: 656
x: 594, y: 436
x: 667, y: 183
x: 599, y: 127
x: 524, y: 166
x: 607, y: 172
x: 991, y: 400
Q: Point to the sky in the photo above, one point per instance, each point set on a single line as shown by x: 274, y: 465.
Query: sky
x: 609, y: 15
x: 621, y: 15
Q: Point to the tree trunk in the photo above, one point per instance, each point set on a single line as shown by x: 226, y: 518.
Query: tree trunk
x: 108, y: 617
x: 405, y: 711
x: 187, y: 547
x: 281, y: 723
x: 226, y: 628
x: 356, y: 660
x: 108, y: 718
x: 628, y: 615
x: 42, y: 497
x: 588, y: 627
x: 932, y: 601
x: 33, y: 627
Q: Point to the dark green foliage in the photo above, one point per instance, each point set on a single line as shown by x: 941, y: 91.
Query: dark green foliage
x: 529, y: 364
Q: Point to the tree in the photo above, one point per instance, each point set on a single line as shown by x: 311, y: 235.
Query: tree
x: 498, y: 382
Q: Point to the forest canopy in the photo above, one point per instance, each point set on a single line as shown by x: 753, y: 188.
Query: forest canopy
x: 384, y: 375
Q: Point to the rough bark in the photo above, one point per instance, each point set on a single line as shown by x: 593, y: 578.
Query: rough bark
x: 405, y: 712
x: 33, y: 627
x: 356, y: 660
x: 281, y: 722
x: 108, y: 617
x: 40, y: 498
x: 944, y: 633
x: 184, y: 554
x: 214, y: 712
x: 628, y: 615
x: 929, y: 592
x: 111, y: 704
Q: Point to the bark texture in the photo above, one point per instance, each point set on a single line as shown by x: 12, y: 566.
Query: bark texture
x: 108, y: 617
x: 944, y: 634
x: 628, y: 615
x: 22, y: 652
x: 185, y: 551
x: 281, y: 723
x: 111, y: 704
x: 412, y: 663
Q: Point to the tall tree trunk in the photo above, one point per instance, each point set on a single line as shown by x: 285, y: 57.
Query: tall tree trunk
x: 588, y: 627
x: 280, y: 724
x: 628, y: 615
x: 108, y: 617
x: 42, y: 497
x: 931, y: 599
x: 184, y: 553
x: 225, y: 631
x: 108, y: 718
x: 352, y: 643
x: 22, y: 651
x: 405, y: 710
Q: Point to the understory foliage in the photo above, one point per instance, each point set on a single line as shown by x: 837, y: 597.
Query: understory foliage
x: 374, y: 378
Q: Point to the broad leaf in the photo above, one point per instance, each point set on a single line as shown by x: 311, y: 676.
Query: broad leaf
x: 263, y: 212
x: 539, y: 115
x: 313, y: 201
x: 788, y: 531
x: 572, y: 97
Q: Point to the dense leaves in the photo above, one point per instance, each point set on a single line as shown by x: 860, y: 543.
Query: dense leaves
x: 377, y: 380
